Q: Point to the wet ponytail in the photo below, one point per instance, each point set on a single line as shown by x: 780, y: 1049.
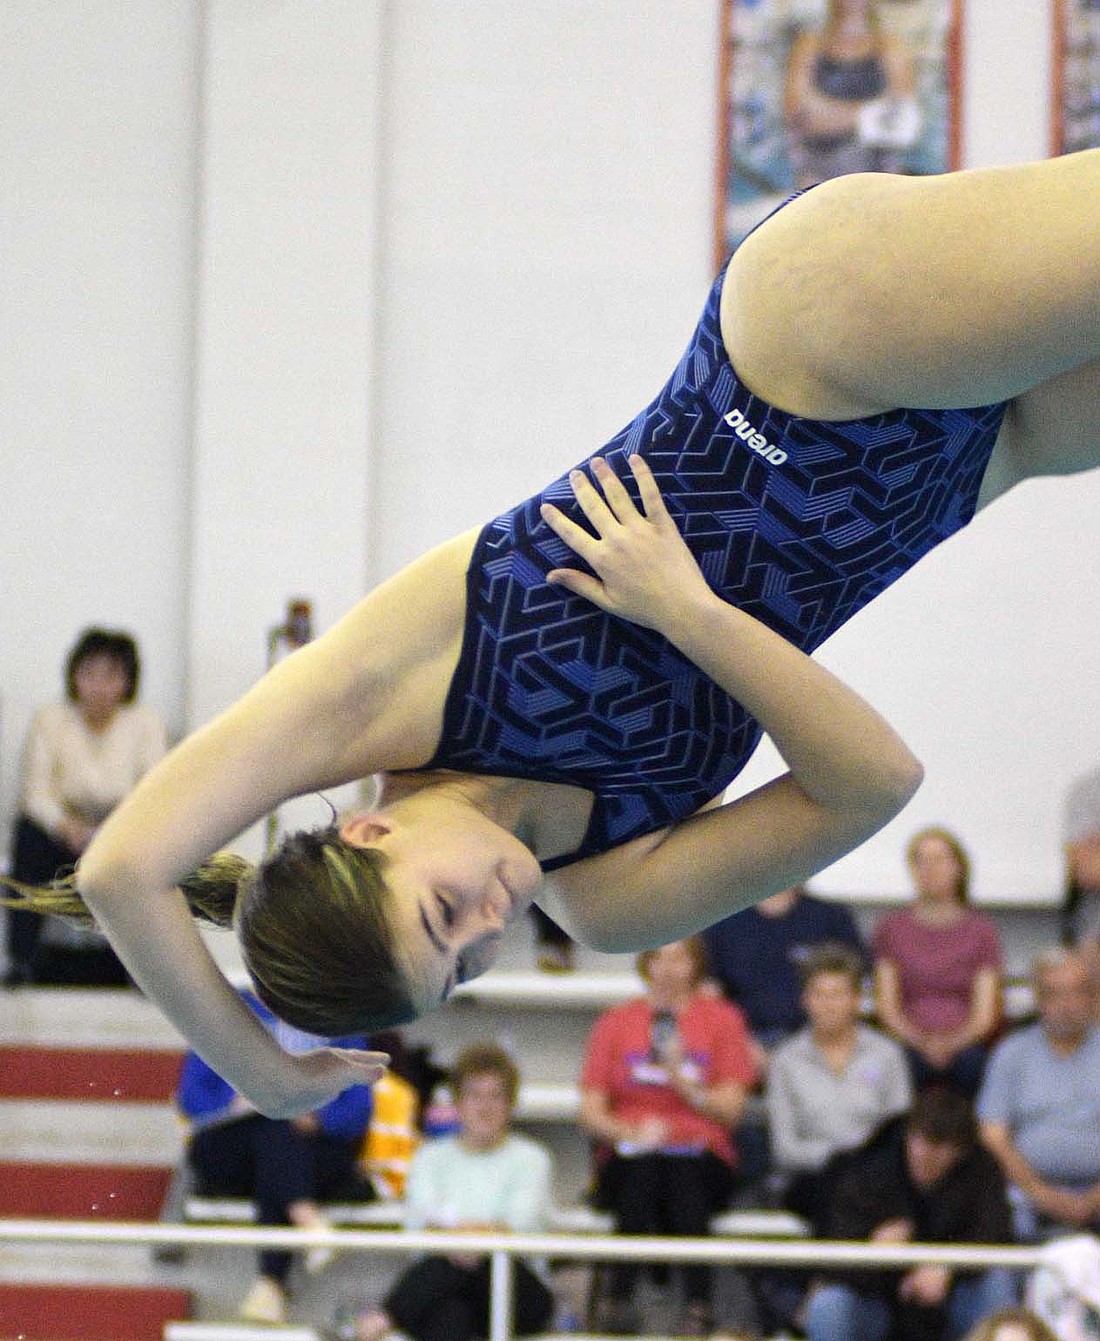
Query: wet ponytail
x: 211, y: 892
x: 313, y: 924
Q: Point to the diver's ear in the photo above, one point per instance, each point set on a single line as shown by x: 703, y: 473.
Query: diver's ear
x: 365, y: 828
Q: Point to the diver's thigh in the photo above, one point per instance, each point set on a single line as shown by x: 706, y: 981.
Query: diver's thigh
x: 874, y: 291
x: 1052, y: 429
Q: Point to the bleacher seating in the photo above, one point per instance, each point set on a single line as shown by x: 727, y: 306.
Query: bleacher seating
x: 51, y: 1105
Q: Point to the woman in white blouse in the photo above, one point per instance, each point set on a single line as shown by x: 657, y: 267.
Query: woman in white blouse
x: 82, y: 755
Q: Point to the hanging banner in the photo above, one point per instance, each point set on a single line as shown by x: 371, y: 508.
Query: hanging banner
x: 813, y: 89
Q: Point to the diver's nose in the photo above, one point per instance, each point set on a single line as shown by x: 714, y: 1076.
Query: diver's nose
x: 493, y: 914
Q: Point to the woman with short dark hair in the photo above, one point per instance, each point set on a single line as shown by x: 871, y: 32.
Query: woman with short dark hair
x: 484, y: 1179
x: 83, y: 754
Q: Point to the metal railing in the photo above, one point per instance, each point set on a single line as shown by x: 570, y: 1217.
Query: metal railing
x: 501, y: 1248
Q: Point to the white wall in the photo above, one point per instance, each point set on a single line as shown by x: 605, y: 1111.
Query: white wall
x: 437, y: 250
x: 98, y: 162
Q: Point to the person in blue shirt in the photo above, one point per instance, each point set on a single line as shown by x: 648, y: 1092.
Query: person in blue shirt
x: 285, y: 1165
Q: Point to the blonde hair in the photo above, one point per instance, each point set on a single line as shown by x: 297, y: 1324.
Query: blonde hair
x: 1030, y: 1323
x: 951, y: 841
x: 312, y: 924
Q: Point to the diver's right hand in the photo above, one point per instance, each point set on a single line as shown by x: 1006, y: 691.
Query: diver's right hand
x: 644, y: 570
x: 309, y: 1080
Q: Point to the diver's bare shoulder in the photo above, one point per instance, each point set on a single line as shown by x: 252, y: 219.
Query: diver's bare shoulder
x: 389, y: 662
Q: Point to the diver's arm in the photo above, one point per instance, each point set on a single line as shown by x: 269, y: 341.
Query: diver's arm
x: 849, y: 771
x: 350, y: 703
x: 278, y: 740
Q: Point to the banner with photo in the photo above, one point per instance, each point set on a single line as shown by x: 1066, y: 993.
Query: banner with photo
x: 812, y: 89
x: 1076, y: 118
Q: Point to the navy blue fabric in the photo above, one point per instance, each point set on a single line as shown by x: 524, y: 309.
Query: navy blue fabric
x: 759, y: 959
x: 799, y: 522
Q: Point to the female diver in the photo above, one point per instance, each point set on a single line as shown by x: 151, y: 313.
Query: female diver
x: 555, y: 703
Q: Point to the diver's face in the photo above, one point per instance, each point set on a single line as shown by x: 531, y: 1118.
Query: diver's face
x: 456, y: 880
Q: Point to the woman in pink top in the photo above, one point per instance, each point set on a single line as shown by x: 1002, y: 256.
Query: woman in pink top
x: 665, y: 1077
x: 938, y: 969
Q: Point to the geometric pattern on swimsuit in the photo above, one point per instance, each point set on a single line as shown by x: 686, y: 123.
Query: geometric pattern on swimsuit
x: 799, y: 522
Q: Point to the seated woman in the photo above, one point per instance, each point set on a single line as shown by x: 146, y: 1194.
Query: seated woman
x: 664, y: 1080
x: 286, y: 1166
x: 938, y: 969
x: 83, y: 754
x: 486, y: 1178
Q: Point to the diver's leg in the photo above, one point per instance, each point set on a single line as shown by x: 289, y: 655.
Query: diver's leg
x: 1053, y: 429
x: 872, y: 291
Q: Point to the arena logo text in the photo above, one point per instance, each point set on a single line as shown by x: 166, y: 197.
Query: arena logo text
x: 751, y: 436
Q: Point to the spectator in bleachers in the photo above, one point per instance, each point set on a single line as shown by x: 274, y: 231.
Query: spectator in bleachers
x: 285, y: 1166
x: 925, y: 1178
x: 756, y: 956
x: 664, y: 1081
x: 834, y: 1083
x: 1040, y: 1103
x: 1082, y: 840
x: 938, y: 969
x: 485, y: 1178
x: 82, y: 755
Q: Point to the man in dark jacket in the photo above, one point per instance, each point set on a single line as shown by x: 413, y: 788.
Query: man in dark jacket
x: 924, y: 1178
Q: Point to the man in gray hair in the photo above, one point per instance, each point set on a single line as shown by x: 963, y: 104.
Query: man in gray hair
x: 1039, y: 1105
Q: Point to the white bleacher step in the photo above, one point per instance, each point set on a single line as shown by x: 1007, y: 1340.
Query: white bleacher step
x: 236, y: 1331
x: 346, y: 1214
x: 101, y: 1017
x: 77, y: 1264
x: 113, y: 1132
x: 533, y: 990
x: 377, y: 1215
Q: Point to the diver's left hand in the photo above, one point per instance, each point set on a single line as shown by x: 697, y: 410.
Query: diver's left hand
x: 644, y: 570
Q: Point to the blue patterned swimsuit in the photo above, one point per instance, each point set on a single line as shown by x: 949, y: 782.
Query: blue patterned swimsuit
x: 799, y: 522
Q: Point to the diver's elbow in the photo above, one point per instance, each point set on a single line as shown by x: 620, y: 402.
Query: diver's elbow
x: 901, y: 778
